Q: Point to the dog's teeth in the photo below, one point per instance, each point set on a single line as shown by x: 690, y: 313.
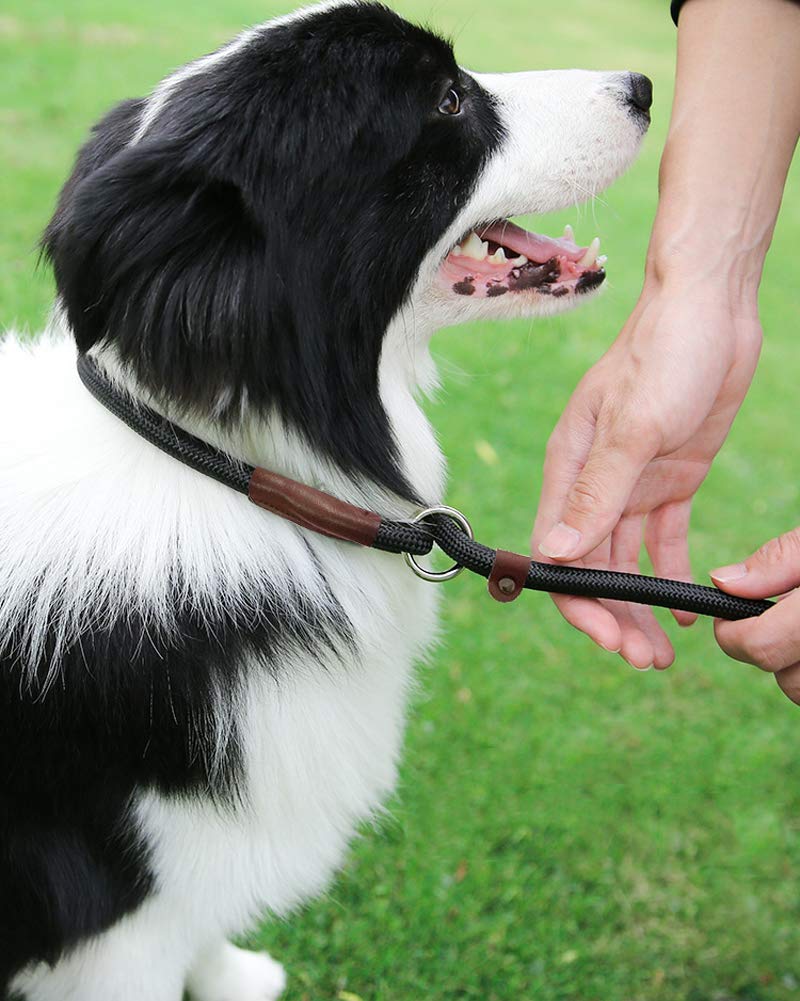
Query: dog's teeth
x: 590, y: 256
x: 517, y: 262
x: 568, y: 233
x: 601, y: 260
x: 499, y: 257
x: 475, y: 248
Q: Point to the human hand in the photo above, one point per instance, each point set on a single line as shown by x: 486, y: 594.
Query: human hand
x: 772, y: 640
x: 633, y: 445
x: 645, y: 423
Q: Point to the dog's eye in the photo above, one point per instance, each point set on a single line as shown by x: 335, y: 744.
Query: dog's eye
x: 451, y: 105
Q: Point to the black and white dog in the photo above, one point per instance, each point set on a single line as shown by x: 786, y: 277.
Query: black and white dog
x: 200, y: 702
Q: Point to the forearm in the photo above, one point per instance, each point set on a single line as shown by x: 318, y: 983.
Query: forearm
x: 734, y: 127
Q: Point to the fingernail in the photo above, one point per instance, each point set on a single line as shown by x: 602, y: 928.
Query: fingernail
x: 641, y: 670
x: 611, y: 649
x: 560, y: 542
x: 728, y: 574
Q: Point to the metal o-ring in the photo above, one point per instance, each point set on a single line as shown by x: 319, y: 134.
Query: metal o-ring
x: 455, y: 570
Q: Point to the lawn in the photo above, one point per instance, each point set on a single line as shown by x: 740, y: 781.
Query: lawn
x: 564, y: 828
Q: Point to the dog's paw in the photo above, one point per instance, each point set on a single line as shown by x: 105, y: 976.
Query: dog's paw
x: 233, y: 974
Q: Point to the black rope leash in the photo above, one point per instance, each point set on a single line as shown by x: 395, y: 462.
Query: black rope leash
x: 638, y: 588
x: 418, y: 538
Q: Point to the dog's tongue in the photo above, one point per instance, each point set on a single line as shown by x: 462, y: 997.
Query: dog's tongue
x: 535, y: 247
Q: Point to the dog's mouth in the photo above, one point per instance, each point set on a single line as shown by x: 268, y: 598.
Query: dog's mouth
x: 498, y: 258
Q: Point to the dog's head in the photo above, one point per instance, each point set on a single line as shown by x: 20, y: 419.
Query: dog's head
x: 244, y: 239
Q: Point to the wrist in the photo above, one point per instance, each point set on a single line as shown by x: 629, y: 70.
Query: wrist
x: 712, y: 250
x: 713, y: 321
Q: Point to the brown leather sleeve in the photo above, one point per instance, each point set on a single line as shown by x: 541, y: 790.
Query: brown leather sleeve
x: 508, y: 575
x: 310, y: 508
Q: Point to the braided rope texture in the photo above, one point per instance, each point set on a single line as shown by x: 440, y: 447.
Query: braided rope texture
x: 413, y: 538
x: 163, y: 433
x: 637, y: 588
x: 417, y: 538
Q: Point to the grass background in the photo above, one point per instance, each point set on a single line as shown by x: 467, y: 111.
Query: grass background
x: 564, y: 828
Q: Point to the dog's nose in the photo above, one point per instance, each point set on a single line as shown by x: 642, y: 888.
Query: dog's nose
x: 641, y: 91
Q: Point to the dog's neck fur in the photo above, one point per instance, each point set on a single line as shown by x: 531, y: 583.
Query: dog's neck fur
x: 407, y: 373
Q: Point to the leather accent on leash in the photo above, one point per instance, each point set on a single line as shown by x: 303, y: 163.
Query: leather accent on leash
x: 311, y: 508
x: 508, y: 576
x: 507, y: 573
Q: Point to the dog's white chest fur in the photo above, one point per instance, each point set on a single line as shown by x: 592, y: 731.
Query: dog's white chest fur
x: 321, y: 745
x: 318, y: 731
x: 319, y: 738
x: 321, y: 755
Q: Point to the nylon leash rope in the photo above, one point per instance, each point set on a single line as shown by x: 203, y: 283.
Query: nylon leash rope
x: 444, y: 527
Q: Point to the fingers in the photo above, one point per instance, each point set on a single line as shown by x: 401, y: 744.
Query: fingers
x: 773, y: 569
x: 566, y: 452
x: 589, y: 615
x: 667, y: 541
x: 771, y: 641
x: 630, y: 630
x: 789, y: 682
x: 594, y: 501
x: 567, y: 449
x: 592, y: 618
x: 644, y: 642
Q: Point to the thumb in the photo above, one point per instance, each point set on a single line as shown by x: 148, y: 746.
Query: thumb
x: 773, y: 569
x: 596, y: 500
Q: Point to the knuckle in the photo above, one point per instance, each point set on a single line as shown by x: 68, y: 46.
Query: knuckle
x: 780, y: 550
x: 790, y: 687
x: 633, y: 434
x: 591, y: 385
x: 765, y: 643
x: 585, y: 497
x: 767, y: 654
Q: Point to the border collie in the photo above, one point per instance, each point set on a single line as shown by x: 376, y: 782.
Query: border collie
x: 199, y: 701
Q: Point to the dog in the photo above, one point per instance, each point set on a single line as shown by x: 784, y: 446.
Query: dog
x: 199, y: 701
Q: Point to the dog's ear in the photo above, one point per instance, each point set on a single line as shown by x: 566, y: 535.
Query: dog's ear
x: 216, y: 300
x: 166, y: 262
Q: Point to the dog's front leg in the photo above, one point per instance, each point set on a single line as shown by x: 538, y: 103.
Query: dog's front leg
x: 136, y: 960
x: 225, y: 973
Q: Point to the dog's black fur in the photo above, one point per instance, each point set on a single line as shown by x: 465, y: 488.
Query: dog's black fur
x: 205, y: 254
x: 129, y: 710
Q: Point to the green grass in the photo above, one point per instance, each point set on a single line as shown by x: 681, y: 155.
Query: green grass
x: 564, y: 828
